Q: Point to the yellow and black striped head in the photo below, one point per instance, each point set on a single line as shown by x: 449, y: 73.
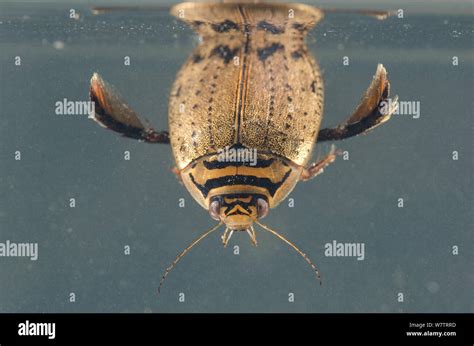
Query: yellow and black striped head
x: 209, y: 181
x: 238, y: 211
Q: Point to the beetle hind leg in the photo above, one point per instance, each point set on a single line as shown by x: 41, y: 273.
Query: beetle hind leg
x: 111, y: 112
x: 374, y: 109
x: 318, y: 167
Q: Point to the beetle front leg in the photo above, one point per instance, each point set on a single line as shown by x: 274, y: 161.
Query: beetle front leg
x: 374, y: 109
x: 318, y: 167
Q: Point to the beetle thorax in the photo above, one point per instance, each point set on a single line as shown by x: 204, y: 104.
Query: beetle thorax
x: 270, y: 177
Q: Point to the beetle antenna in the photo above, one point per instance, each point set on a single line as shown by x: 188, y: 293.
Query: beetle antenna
x: 302, y: 254
x: 185, y: 251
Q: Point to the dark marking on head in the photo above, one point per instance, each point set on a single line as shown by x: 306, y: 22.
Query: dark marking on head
x: 238, y: 212
x: 275, y: 30
x: 244, y: 201
x: 225, y: 53
x: 265, y: 53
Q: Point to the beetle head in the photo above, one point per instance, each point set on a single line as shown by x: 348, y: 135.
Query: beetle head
x: 238, y: 212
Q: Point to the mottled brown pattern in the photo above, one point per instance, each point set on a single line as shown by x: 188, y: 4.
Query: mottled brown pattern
x: 270, y: 100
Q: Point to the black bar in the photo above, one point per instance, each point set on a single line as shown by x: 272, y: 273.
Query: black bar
x: 240, y: 328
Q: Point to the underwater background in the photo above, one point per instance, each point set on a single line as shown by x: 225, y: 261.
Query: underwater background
x: 423, y: 250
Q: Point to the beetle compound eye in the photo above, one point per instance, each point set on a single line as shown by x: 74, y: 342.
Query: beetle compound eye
x: 262, y: 208
x: 214, y: 209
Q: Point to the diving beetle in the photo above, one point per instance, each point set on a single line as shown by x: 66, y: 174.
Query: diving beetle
x: 251, y: 84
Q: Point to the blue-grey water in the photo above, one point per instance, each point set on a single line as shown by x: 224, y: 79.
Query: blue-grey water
x: 418, y: 257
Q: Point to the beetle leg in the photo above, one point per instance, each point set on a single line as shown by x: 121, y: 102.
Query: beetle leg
x: 177, y: 173
x: 318, y: 167
x: 374, y: 109
x: 253, y: 236
x: 111, y: 112
x: 226, y: 236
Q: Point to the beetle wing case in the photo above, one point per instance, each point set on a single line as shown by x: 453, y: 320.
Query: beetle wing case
x: 250, y: 81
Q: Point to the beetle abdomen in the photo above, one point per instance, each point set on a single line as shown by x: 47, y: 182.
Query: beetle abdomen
x: 251, y: 81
